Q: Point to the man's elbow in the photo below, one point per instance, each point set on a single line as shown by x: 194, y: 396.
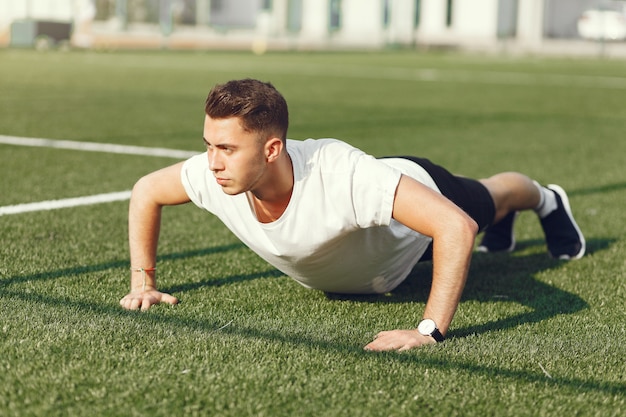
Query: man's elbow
x: 467, y: 228
x: 161, y: 188
x: 141, y: 187
x: 146, y: 192
x: 472, y: 226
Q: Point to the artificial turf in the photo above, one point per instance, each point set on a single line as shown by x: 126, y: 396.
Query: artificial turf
x: 532, y: 336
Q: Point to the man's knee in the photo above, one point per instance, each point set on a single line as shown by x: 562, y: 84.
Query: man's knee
x: 511, y: 191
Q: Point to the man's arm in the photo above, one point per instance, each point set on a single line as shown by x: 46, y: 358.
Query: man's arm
x: 453, y: 232
x: 150, y: 194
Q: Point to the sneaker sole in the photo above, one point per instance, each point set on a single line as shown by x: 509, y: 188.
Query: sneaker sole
x: 561, y: 192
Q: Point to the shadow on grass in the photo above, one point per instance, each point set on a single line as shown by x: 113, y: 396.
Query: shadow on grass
x: 77, y: 270
x: 154, y: 318
x: 492, y: 277
x: 598, y: 190
x: 496, y: 278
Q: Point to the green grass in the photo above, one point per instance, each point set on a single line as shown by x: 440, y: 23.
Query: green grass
x: 532, y: 336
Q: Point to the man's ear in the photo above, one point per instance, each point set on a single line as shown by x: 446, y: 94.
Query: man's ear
x: 273, y: 148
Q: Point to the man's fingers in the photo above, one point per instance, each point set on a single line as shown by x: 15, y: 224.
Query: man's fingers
x: 159, y: 298
x: 146, y: 303
x: 166, y: 298
x: 379, y: 342
x: 399, y: 340
x: 132, y: 302
x: 380, y: 346
x: 143, y: 301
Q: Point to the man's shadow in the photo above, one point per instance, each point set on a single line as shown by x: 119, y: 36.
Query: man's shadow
x: 499, y: 277
x: 495, y: 277
x: 492, y: 278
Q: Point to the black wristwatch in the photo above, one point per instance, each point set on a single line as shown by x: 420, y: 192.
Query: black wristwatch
x: 427, y: 327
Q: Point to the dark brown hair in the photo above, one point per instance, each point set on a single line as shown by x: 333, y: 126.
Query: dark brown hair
x: 258, y: 104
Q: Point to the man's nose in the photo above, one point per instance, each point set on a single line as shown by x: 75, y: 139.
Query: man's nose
x: 215, y: 162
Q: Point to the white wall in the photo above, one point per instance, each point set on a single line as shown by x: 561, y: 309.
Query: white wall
x: 315, y: 16
x: 472, y: 21
x: 433, y: 19
x: 362, y: 22
x: 530, y: 22
x: 476, y: 19
x: 11, y: 10
x: 36, y: 9
x: 401, y: 22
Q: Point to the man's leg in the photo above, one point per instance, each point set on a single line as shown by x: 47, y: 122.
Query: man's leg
x: 513, y: 192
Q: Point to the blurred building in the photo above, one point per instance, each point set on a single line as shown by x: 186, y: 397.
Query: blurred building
x: 526, y: 25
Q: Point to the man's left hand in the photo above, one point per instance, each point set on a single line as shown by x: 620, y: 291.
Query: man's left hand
x: 399, y: 340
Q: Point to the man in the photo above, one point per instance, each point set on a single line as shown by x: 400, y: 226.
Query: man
x: 334, y: 218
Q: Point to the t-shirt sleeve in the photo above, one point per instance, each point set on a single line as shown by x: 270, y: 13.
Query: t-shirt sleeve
x: 193, y: 177
x: 373, y: 191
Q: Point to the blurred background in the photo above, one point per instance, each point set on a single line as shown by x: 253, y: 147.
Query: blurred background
x: 564, y: 27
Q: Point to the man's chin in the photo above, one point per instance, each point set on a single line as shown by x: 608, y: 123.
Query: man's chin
x: 231, y: 190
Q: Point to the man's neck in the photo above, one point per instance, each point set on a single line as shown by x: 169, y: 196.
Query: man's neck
x: 271, y: 200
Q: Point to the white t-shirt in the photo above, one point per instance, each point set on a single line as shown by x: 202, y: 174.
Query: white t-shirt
x: 337, y: 233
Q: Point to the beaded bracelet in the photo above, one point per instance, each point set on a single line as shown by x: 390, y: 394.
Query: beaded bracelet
x: 143, y: 274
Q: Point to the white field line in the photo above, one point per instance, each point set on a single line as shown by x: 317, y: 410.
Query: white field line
x: 90, y: 147
x: 65, y: 203
x: 96, y: 147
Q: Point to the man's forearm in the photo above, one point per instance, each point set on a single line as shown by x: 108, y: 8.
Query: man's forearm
x: 144, y: 221
x: 451, y: 259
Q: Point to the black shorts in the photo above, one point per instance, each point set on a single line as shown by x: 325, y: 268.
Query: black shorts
x: 469, y: 194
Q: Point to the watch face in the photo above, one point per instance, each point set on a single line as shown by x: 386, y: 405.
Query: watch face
x: 426, y: 327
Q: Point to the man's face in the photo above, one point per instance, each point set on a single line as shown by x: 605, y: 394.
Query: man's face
x: 236, y: 156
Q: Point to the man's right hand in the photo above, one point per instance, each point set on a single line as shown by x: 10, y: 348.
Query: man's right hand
x: 144, y: 299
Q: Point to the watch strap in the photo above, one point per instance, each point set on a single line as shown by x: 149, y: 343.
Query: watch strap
x: 436, y: 334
